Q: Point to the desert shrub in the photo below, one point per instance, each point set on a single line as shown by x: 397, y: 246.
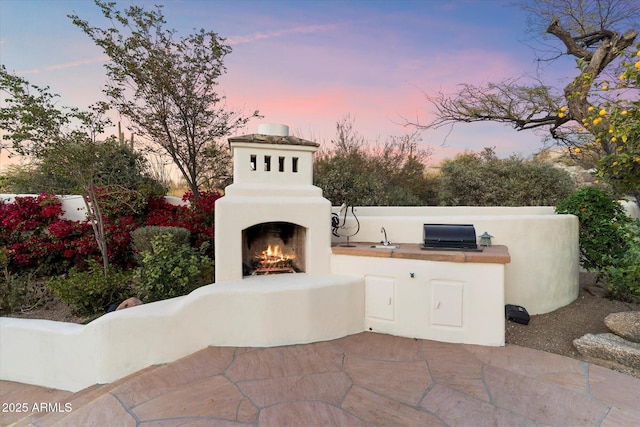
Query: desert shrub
x: 89, y: 291
x: 482, y: 179
x: 359, y: 172
x: 359, y: 179
x: 347, y: 179
x: 622, y: 275
x: 22, y: 292
x: 603, y: 235
x: 143, y: 236
x: 171, y: 269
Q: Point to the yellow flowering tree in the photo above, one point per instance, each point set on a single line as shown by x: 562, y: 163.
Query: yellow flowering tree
x: 616, y: 124
x: 599, y: 36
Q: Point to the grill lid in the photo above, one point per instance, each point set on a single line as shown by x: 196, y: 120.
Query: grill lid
x: 461, y: 237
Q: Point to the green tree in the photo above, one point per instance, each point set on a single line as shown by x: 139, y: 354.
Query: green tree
x: 482, y: 179
x: 596, y: 34
x: 120, y: 169
x: 36, y: 127
x: 617, y: 122
x: 166, y: 85
x: 217, y: 167
x: 63, y: 142
x: 34, y: 123
x: 357, y: 172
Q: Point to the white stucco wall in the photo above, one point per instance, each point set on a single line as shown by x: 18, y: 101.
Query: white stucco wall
x: 255, y: 312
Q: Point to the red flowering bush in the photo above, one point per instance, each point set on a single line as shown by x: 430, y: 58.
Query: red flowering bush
x: 118, y: 234
x: 197, y: 216
x: 37, y: 242
x: 28, y: 214
x: 24, y: 230
x: 202, y: 217
x: 162, y: 213
x: 36, y: 237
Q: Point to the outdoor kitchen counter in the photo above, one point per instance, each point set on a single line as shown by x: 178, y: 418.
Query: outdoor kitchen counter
x: 489, y: 255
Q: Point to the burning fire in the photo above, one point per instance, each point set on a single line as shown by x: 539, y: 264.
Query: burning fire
x: 274, y: 254
x: 273, y: 260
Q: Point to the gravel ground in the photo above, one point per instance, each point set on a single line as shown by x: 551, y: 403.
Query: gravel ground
x: 554, y: 332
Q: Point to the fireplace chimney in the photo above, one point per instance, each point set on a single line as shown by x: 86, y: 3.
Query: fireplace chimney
x: 273, y: 129
x: 272, y: 188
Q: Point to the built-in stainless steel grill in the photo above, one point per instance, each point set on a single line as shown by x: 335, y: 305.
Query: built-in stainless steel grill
x: 455, y: 237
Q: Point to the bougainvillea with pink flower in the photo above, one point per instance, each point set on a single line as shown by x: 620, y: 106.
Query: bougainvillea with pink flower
x: 197, y: 216
x: 36, y: 237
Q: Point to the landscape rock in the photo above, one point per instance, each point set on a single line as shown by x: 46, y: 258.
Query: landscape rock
x: 609, y: 347
x: 130, y: 302
x: 625, y: 324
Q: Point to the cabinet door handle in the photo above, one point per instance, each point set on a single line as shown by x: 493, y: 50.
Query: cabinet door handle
x: 437, y: 306
x: 389, y: 301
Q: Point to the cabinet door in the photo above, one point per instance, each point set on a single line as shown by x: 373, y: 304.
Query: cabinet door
x: 380, y: 297
x: 446, y: 302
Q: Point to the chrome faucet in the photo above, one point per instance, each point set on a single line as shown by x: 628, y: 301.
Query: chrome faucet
x: 386, y: 241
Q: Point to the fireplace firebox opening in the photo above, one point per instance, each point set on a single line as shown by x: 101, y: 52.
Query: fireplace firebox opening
x: 273, y: 248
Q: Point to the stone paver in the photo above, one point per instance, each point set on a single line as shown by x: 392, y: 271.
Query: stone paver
x: 614, y: 389
x: 403, y: 381
x: 453, y: 366
x: 367, y: 379
x: 458, y: 409
x: 210, y: 397
x: 329, y: 387
x: 543, y: 402
x: 104, y: 411
x: 382, y: 411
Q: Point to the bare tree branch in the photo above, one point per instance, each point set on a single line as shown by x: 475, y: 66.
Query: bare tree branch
x: 586, y: 30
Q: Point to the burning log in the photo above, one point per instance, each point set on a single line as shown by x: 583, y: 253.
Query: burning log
x: 272, y: 260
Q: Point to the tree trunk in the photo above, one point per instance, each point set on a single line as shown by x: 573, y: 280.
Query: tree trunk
x: 94, y: 215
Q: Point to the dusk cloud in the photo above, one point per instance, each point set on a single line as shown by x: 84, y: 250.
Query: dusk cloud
x: 308, y: 65
x: 305, y: 29
x: 78, y: 63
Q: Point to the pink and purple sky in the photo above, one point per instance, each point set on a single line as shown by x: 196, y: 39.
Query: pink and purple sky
x: 308, y: 63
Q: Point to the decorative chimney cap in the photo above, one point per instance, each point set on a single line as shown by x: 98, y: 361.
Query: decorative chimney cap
x: 273, y: 129
x: 272, y: 134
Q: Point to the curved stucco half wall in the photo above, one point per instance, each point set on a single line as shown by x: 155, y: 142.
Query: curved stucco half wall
x: 254, y: 312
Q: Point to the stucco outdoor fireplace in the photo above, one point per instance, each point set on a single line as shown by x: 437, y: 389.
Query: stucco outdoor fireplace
x: 273, y: 248
x: 272, y: 219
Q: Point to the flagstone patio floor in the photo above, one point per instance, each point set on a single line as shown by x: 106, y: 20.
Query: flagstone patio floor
x: 367, y: 379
